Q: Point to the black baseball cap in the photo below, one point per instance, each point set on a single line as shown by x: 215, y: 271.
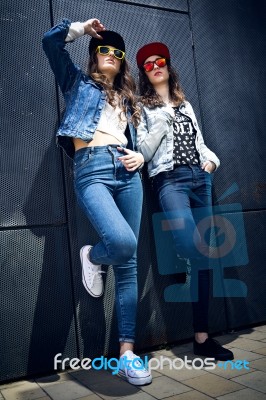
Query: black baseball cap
x: 110, y: 38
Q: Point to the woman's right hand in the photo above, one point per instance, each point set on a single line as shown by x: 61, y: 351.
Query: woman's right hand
x: 132, y: 160
x: 92, y: 26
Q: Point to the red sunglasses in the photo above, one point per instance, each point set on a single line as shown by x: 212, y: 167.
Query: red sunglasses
x: 160, y: 62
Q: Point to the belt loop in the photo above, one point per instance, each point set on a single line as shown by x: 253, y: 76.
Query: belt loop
x: 109, y: 148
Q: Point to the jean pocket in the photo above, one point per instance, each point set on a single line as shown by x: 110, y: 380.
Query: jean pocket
x: 207, y: 176
x: 81, y: 159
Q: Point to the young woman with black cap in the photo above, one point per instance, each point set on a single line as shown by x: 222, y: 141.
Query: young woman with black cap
x: 98, y: 132
x: 180, y: 165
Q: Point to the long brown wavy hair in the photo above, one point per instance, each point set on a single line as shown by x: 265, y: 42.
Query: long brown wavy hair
x: 124, y: 85
x: 150, y: 98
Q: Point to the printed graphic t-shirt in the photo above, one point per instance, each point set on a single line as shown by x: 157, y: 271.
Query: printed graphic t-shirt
x: 185, y: 152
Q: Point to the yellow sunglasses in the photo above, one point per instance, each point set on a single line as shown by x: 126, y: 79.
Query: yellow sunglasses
x: 105, y: 50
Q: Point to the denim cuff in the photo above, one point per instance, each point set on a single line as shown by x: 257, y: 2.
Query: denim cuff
x: 127, y: 340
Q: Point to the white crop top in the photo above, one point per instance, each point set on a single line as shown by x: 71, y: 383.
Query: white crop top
x: 113, y: 122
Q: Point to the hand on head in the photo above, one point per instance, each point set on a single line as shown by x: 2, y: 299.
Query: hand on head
x: 92, y: 26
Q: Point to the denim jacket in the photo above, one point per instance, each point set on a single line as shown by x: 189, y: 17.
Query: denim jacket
x: 155, y: 138
x: 84, y: 98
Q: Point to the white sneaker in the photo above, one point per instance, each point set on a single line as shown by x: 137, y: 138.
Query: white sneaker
x: 131, y: 368
x: 91, y: 273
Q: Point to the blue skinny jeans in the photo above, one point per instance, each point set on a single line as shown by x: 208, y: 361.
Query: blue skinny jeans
x: 111, y: 198
x: 185, y: 196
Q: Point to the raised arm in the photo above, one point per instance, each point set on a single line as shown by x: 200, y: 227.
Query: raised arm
x: 54, y: 42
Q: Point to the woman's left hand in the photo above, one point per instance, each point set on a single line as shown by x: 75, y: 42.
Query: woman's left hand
x: 131, y: 160
x: 208, y: 166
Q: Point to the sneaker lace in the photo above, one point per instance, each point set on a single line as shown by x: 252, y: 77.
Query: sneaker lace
x: 95, y: 276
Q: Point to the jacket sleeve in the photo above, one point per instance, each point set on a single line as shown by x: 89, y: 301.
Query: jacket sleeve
x: 54, y: 47
x: 205, y: 153
x: 151, y: 131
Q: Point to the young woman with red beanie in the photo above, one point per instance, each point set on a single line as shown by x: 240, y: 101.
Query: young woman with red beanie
x: 180, y: 166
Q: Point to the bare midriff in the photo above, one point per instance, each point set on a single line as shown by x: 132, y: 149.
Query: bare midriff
x: 99, y: 139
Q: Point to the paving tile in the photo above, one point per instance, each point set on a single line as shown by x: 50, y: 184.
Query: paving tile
x: 10, y: 385
x: 91, y: 377
x: 53, y: 379
x: 261, y: 350
x: 42, y: 398
x: 160, y: 355
x: 255, y: 380
x: 246, y: 344
x: 90, y: 397
x: 164, y: 387
x: 213, y: 385
x: 69, y: 390
x: 171, y: 366
x: 168, y: 360
x: 156, y: 373
x: 182, y: 374
x: 240, y: 354
x: 165, y: 352
x: 23, y: 390
x: 189, y: 355
x: 138, y: 396
x: 244, y: 394
x: 260, y: 364
x: 113, y: 388
x: 261, y: 328
x: 192, y: 395
x: 228, y: 371
x: 254, y: 335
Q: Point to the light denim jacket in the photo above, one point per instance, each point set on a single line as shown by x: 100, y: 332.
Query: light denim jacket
x: 84, y: 98
x: 155, y: 138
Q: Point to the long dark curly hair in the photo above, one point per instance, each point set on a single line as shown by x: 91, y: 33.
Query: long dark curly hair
x: 124, y: 86
x: 150, y: 98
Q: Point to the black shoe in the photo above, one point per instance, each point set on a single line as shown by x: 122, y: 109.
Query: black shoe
x: 212, y: 348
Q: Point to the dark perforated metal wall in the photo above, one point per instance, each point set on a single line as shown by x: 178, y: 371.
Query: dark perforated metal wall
x: 229, y: 49
x: 44, y: 307
x: 37, y: 307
